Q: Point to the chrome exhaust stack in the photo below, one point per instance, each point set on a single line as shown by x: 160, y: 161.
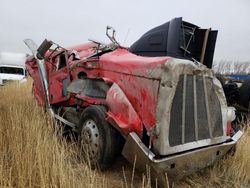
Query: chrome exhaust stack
x: 38, y: 53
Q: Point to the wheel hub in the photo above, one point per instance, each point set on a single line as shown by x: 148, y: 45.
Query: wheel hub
x: 90, y: 138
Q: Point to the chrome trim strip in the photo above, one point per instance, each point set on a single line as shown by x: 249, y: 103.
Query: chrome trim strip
x: 207, y: 106
x: 183, y: 109
x: 178, y: 165
x: 72, y: 125
x: 195, y: 108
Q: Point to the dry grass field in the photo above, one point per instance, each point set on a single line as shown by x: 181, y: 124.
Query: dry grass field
x: 33, y: 154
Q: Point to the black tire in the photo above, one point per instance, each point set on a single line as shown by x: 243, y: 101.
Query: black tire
x: 245, y: 93
x: 221, y: 79
x: 99, y: 142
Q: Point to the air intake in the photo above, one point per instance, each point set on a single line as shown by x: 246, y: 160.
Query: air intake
x: 195, y: 113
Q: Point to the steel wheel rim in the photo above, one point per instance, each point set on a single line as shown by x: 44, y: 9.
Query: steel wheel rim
x: 90, y: 138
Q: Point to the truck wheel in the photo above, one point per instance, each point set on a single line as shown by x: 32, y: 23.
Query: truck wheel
x: 221, y: 79
x: 245, y: 93
x: 97, y: 139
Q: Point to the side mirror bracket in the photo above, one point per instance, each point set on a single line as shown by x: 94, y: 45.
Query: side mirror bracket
x: 110, y: 32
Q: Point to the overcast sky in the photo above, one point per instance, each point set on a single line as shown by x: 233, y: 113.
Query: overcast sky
x: 74, y: 21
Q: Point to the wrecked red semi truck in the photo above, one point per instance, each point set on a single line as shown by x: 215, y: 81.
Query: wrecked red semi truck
x: 169, y: 108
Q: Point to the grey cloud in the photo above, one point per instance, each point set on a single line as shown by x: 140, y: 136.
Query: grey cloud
x: 73, y: 22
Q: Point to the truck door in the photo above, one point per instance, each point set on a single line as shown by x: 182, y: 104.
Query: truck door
x: 59, y: 79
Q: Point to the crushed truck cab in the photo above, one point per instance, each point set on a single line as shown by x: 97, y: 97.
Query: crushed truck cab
x: 159, y: 97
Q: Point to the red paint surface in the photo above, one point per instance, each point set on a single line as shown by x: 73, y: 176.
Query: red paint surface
x: 137, y: 77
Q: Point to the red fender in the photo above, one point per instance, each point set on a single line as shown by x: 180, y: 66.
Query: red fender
x: 121, y: 113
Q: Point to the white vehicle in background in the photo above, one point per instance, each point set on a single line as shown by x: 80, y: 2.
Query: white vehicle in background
x: 12, y: 67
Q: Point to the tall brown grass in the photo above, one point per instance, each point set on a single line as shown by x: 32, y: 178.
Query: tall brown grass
x: 233, y: 171
x: 33, y: 154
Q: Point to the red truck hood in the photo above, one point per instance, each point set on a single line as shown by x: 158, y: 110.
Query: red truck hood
x: 122, y: 61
